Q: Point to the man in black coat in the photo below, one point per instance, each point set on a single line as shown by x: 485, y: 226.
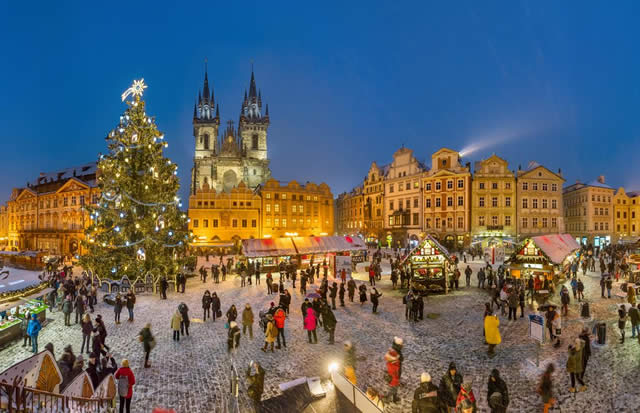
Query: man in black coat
x: 333, y: 291
x: 163, y: 288
x: 184, y: 324
x: 425, y: 398
x: 497, y: 393
x: 450, y: 386
x: 329, y: 323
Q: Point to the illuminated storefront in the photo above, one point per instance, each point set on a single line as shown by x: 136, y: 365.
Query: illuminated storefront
x: 430, y: 266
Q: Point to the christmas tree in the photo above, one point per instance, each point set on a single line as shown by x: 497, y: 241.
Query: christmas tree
x: 136, y: 227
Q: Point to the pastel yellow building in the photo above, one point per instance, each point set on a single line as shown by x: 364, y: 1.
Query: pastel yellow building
x: 447, y: 198
x: 350, y: 214
x: 296, y: 210
x: 539, y: 196
x: 4, y: 226
x: 493, y: 210
x: 589, y: 212
x: 626, y: 218
x: 373, y: 198
x: 48, y: 214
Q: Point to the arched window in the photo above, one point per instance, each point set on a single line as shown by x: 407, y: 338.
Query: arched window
x: 206, y: 141
x: 254, y: 142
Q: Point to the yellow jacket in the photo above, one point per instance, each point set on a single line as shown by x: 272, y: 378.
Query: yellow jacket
x: 175, y: 321
x: 491, y: 332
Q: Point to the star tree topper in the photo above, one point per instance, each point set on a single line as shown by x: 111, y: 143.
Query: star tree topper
x: 137, y: 89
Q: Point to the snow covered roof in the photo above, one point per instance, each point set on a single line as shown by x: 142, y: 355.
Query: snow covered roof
x: 556, y: 246
x: 532, y: 165
x: 268, y: 247
x: 311, y: 245
x: 64, y: 174
x: 39, y: 371
x: 599, y: 184
x: 633, y: 194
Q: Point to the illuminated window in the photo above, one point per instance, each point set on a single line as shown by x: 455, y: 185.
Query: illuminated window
x: 234, y: 223
x: 293, y: 208
x: 284, y: 222
x: 268, y: 222
x: 481, y: 220
x: 438, y: 186
x: 195, y: 223
x: 276, y: 222
x: 276, y: 207
x: 215, y: 223
x: 507, y: 220
x: 284, y: 196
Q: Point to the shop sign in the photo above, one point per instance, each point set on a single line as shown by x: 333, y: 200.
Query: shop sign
x: 536, y: 266
x: 536, y: 327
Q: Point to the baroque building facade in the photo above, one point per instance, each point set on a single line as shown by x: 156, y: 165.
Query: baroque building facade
x: 539, y: 201
x: 48, y: 214
x: 589, y: 212
x: 626, y: 215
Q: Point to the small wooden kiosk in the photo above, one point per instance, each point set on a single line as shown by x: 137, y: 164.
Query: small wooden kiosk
x: 430, y: 266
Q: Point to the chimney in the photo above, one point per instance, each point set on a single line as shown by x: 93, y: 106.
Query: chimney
x: 601, y: 179
x: 560, y: 171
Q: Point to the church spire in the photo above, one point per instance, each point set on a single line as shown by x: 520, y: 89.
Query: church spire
x: 266, y: 112
x: 195, y: 111
x: 252, y: 86
x: 205, y: 89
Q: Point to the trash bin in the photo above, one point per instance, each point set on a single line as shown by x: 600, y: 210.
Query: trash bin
x: 584, y: 311
x: 601, y: 333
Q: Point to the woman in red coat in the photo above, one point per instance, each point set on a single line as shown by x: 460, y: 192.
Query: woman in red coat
x: 125, y: 371
x: 393, y: 371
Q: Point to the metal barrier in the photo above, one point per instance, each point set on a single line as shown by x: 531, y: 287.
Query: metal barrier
x: 354, y: 394
x: 15, y: 398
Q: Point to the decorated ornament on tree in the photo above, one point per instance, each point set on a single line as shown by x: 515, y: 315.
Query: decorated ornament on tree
x: 141, y: 254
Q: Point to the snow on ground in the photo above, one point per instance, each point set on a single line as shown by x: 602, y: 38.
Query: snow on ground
x: 193, y: 375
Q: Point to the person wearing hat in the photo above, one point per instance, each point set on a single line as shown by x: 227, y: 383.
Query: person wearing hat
x: 397, y: 345
x: 492, y: 333
x: 247, y: 320
x: 33, y: 329
x: 450, y: 386
x: 425, y: 397
x: 393, y: 374
x: 466, y: 401
x: 270, y: 333
x: 176, y: 319
x: 497, y: 393
x: 233, y: 336
x: 125, y: 373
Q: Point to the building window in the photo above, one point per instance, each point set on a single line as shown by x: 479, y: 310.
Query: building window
x: 268, y: 222
x: 407, y: 186
x: 415, y: 202
x: 428, y: 223
x: 617, y: 213
x: 494, y: 220
x: 481, y: 202
x: 244, y: 223
x: 525, y: 203
x: 254, y: 142
x: 480, y: 185
x: 544, y: 222
x: 525, y: 186
x: 268, y: 207
x: 294, y: 208
x: 481, y: 220
x: 215, y: 223
x: 276, y: 222
x: 534, y: 186
x: 460, y: 183
x: 55, y: 203
x: 460, y: 201
x: 507, y: 201
x: 554, y: 187
x: 544, y: 203
x: 276, y: 207
x: 494, y: 202
x: 438, y: 186
x: 507, y: 185
x: 205, y: 223
x: 554, y: 222
x: 438, y: 201
x: 606, y: 226
x: 390, y: 221
x: 460, y: 222
x: 427, y: 202
x: 618, y: 227
x: 284, y: 222
x: 449, y: 184
x: 284, y: 196
x: 534, y: 203
x: 390, y: 205
x: 554, y: 204
x: 534, y: 222
x: 494, y: 185
x: 195, y: 223
x: 427, y: 187
x: 73, y: 201
x: 449, y: 201
x: 267, y: 195
x: 437, y: 223
x: 94, y: 199
x: 544, y: 187
x: 449, y: 222
x: 390, y: 188
x: 407, y: 204
x: 234, y: 223
x: 416, y: 220
x: 507, y: 220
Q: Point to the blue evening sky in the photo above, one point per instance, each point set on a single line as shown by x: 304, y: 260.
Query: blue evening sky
x: 346, y: 82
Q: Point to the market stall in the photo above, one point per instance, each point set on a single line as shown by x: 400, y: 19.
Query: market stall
x: 269, y: 252
x: 430, y: 266
x: 12, y: 314
x: 546, y: 258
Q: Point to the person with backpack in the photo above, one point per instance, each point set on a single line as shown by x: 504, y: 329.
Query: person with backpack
x: 126, y: 381
x: 497, y: 393
x: 131, y: 301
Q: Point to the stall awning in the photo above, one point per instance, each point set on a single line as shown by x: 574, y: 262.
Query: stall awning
x: 628, y: 240
x: 335, y: 244
x: 268, y: 247
x: 556, y: 246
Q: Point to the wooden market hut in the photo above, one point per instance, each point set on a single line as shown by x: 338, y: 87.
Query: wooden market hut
x: 430, y: 266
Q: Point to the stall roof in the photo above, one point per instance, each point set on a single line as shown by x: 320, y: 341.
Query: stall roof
x: 556, y: 246
x: 313, y: 245
x: 268, y: 247
x: 436, y: 244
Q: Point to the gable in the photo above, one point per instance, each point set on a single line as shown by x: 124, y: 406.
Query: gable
x: 541, y: 172
x: 73, y: 184
x: 26, y: 194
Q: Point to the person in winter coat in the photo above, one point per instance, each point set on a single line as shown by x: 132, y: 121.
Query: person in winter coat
x: 233, y: 337
x: 333, y: 291
x: 131, y: 302
x: 33, y: 329
x: 122, y: 373
x: 67, y: 308
x: 497, y: 393
x: 255, y: 379
x: 329, y: 323
x: 512, y: 301
x: 634, y: 316
x: 206, y: 304
x: 279, y: 318
x: 375, y: 295
x: 215, y: 306
x: 87, y: 329
x: 341, y: 294
x: 184, y: 326
x: 393, y: 375
x: 351, y: 288
x: 450, y: 386
x: 176, y: 320
x: 397, y: 345
x: 408, y: 302
x: 425, y: 397
x: 466, y: 401
x: 310, y: 323
x: 631, y: 294
x: 164, y: 285
x: 492, y: 333
x: 247, y: 320
x: 24, y: 324
x: 363, y: 293
x: 285, y: 301
x: 65, y: 364
x: 270, y: 333
x: 232, y: 314
x: 574, y: 365
x: 622, y: 321
x: 117, y: 308
x: 586, y: 350
x: 565, y: 299
x: 467, y: 274
x: 349, y: 362
x: 545, y: 389
x: 148, y: 342
x: 92, y: 372
x: 79, y: 307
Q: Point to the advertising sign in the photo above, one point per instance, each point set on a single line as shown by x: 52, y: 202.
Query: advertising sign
x: 536, y: 327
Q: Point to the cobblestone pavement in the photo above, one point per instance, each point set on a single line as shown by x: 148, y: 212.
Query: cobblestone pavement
x: 193, y: 375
